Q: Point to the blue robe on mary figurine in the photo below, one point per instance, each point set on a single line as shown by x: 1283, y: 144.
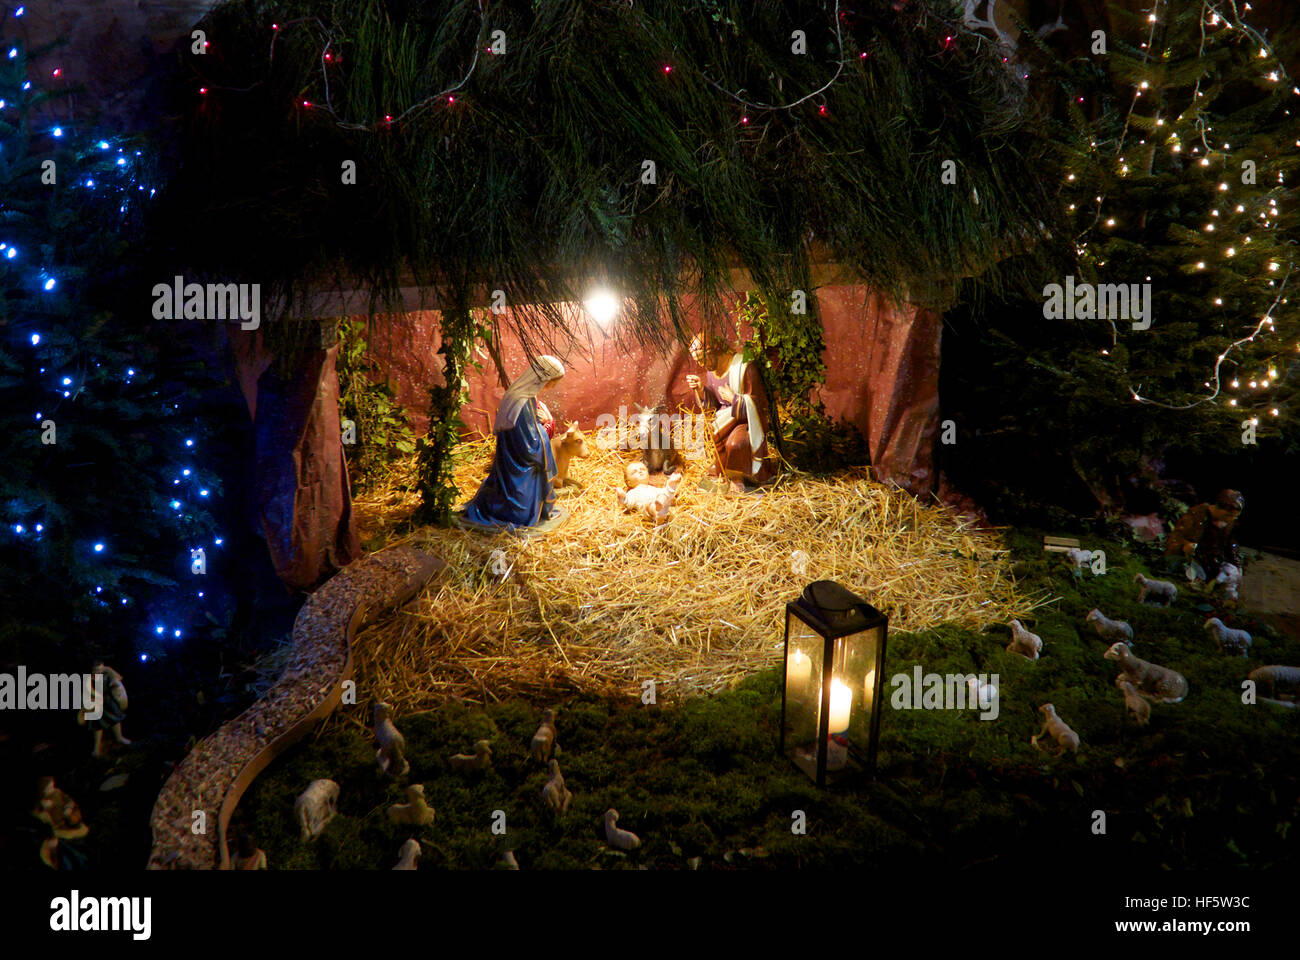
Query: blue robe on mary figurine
x: 519, y: 491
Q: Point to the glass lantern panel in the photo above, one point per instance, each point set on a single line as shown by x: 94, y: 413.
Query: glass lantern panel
x: 803, y: 687
x: 854, y: 668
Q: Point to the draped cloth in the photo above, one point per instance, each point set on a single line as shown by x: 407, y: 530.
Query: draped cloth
x: 519, y: 491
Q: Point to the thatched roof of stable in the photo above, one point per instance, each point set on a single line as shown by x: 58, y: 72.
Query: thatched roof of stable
x: 523, y: 171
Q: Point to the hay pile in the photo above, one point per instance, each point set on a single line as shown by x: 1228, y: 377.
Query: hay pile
x: 609, y: 600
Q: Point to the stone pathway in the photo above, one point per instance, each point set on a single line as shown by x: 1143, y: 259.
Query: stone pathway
x: 215, y: 774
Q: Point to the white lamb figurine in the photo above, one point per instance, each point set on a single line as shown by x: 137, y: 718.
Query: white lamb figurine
x: 1110, y: 630
x: 1023, y: 642
x: 407, y: 856
x: 1161, y: 592
x: 644, y: 497
x: 543, y: 742
x: 1065, y: 738
x: 1078, y: 558
x: 1151, y: 680
x: 616, y: 837
x: 480, y: 759
x: 555, y: 793
x: 392, y: 745
x: 1277, y: 684
x: 1230, y: 579
x: 415, y: 811
x: 1232, y: 641
x: 316, y: 806
x: 1138, y: 708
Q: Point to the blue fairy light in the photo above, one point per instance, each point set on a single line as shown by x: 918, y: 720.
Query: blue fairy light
x: 176, y: 504
x: 99, y: 589
x: 175, y: 480
x: 40, y: 527
x: 38, y: 414
x: 13, y: 53
x: 57, y: 131
x: 124, y: 601
x: 103, y: 144
x: 144, y: 658
x: 186, y: 471
x: 99, y: 548
x: 189, y: 443
x: 177, y: 633
x: 130, y: 371
x: 20, y: 11
x: 36, y: 338
x: 11, y: 253
x: 121, y: 161
x: 66, y: 381
x: 203, y: 493
x: 2, y: 104
x: 90, y: 183
x: 49, y: 284
x: 200, y: 593
x: 66, y: 393
x: 18, y: 528
x: 218, y: 541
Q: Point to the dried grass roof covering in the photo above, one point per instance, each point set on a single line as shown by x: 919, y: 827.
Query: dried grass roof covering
x: 608, y: 600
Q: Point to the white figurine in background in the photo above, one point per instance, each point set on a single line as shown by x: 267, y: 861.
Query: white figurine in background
x: 1233, y: 641
x: 111, y: 712
x: 1023, y: 642
x: 1161, y: 592
x: 408, y: 855
x: 555, y: 793
x: 391, y: 754
x: 1150, y: 679
x: 1112, y: 631
x: 1065, y: 738
x: 316, y: 806
x: 1138, y: 708
x: 416, y: 811
x: 616, y: 837
x: 544, y: 739
x: 1078, y: 558
x: 480, y: 759
x: 1230, y: 579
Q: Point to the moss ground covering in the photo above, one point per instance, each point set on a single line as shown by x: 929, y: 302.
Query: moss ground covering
x: 1210, y: 783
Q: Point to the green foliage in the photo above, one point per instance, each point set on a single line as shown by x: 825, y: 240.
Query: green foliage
x: 789, y: 347
x: 383, y: 433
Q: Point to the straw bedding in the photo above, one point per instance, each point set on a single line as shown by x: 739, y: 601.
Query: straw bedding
x: 610, y: 600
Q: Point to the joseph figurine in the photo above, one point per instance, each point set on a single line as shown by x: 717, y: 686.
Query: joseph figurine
x: 733, y: 391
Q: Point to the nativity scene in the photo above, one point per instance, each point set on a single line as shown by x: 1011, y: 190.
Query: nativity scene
x: 667, y: 460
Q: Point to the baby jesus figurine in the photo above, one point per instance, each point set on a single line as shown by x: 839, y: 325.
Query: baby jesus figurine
x: 643, y: 497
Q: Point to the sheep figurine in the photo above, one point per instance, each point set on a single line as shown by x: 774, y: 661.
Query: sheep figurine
x: 1112, y: 631
x: 1230, y: 579
x: 555, y: 793
x: 391, y: 754
x: 1277, y: 684
x: 1161, y: 592
x: 1023, y: 642
x: 1065, y: 738
x: 407, y: 856
x: 416, y: 811
x: 616, y: 837
x: 480, y: 759
x: 1153, y: 681
x: 1233, y: 641
x: 1138, y: 708
x: 316, y: 806
x: 544, y: 739
x: 1078, y: 558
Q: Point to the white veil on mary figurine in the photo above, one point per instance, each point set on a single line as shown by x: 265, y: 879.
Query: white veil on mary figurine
x: 519, y: 491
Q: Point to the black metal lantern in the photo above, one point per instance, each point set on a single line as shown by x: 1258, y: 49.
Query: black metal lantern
x: 834, y: 670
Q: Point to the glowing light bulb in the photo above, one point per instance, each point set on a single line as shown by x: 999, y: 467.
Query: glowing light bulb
x: 603, y: 307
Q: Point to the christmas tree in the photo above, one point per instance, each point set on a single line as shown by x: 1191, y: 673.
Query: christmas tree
x: 104, y: 495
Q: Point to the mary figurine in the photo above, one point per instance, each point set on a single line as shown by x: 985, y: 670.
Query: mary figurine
x: 519, y: 491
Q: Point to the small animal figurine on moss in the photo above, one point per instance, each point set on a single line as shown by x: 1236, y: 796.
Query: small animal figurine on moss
x: 111, y: 712
x: 1229, y: 580
x: 1027, y: 644
x: 544, y: 739
x: 1157, y: 593
x: 1112, y: 631
x: 415, y: 811
x: 555, y: 793
x: 1277, y: 684
x: 391, y: 754
x: 1153, y: 681
x: 249, y: 855
x: 616, y: 837
x: 568, y: 446
x: 60, y: 851
x: 316, y: 807
x: 1078, y: 558
x: 1066, y: 739
x: 1138, y: 708
x: 408, y: 855
x: 1234, y: 642
x: 480, y: 759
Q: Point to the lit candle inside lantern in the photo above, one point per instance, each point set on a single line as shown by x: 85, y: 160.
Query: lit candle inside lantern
x: 841, y: 702
x: 868, y: 687
x: 799, y: 670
